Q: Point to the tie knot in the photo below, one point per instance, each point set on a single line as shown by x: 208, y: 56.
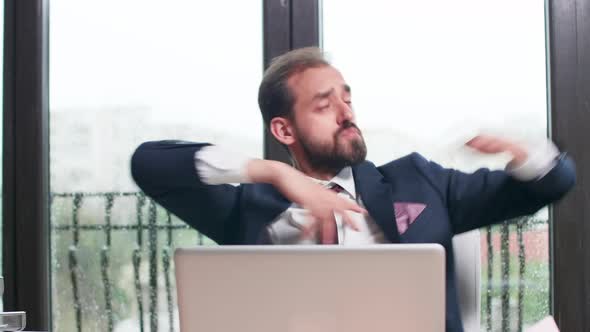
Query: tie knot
x: 335, y: 187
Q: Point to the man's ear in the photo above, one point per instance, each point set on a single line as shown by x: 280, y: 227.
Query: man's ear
x: 282, y: 130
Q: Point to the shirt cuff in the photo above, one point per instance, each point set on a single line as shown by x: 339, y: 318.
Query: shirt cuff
x: 216, y: 165
x: 541, y: 160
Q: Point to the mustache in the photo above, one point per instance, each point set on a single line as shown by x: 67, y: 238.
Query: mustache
x: 346, y: 125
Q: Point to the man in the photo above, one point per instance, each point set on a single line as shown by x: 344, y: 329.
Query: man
x: 334, y: 195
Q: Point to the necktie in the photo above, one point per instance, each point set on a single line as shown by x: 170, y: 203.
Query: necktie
x: 330, y: 229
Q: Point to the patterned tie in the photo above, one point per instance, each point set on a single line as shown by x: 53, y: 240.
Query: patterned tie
x: 331, y: 228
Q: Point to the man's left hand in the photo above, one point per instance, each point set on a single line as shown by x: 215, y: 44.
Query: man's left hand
x: 492, y: 144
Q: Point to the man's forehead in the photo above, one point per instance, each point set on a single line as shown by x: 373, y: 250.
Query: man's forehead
x: 316, y: 79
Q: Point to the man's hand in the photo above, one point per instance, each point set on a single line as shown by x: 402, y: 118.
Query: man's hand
x: 321, y: 203
x: 491, y: 144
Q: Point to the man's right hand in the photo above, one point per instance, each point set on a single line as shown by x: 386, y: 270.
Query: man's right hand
x: 320, y: 202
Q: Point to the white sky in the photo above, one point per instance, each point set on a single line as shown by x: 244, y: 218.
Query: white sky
x: 440, y: 64
x: 189, y: 61
x: 424, y: 68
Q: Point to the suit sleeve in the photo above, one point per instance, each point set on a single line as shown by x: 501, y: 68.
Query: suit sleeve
x: 165, y: 171
x: 487, y: 197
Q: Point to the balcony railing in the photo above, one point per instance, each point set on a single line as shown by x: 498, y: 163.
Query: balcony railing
x: 84, y: 227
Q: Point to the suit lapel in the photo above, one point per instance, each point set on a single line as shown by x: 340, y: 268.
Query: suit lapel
x: 377, y: 197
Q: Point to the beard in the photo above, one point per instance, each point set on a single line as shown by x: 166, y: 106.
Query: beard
x: 341, y: 153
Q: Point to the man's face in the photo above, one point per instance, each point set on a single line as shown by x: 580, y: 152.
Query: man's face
x: 324, y: 122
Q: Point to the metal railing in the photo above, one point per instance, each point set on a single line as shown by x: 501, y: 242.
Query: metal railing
x: 161, y: 228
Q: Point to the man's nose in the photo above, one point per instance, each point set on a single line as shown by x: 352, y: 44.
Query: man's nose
x: 345, y: 112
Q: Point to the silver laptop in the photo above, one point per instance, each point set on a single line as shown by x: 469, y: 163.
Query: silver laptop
x: 389, y: 288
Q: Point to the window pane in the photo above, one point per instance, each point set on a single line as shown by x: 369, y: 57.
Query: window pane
x: 427, y: 74
x: 124, y: 72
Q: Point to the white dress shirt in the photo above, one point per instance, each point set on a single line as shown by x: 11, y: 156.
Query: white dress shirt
x: 287, y: 227
x: 217, y: 165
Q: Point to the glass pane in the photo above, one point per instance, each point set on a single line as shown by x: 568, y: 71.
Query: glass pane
x: 124, y: 72
x: 427, y: 74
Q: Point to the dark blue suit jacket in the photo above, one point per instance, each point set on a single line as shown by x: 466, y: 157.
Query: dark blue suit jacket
x: 456, y: 202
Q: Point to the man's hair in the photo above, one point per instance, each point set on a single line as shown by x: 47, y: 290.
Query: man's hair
x: 274, y: 97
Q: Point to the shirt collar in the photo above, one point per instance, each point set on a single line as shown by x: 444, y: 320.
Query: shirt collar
x: 344, y: 179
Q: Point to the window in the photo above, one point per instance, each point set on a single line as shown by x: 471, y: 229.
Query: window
x: 123, y: 73
x: 427, y: 74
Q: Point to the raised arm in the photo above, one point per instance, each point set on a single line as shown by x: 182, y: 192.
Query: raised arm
x: 531, y: 181
x: 165, y: 171
x: 190, y: 180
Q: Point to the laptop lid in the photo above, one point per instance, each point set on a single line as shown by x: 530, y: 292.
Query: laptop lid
x: 391, y: 287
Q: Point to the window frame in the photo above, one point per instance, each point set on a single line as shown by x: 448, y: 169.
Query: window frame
x: 25, y: 255
x: 569, y: 85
